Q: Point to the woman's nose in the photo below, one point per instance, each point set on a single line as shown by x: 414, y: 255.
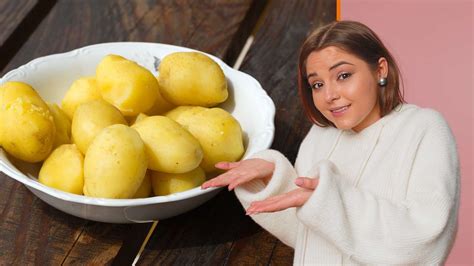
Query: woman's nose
x: 331, y: 94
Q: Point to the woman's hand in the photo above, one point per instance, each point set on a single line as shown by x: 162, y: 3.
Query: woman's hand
x: 241, y: 172
x: 294, y: 198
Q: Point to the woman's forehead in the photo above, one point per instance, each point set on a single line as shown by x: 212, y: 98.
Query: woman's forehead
x: 328, y: 57
x: 330, y: 53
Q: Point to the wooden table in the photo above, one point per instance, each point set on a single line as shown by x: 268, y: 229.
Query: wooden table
x: 218, y: 232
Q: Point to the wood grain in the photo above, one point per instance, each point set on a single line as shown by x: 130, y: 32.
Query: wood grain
x: 12, y: 13
x: 208, y: 25
x: 19, y: 18
x: 219, y: 232
x: 32, y: 232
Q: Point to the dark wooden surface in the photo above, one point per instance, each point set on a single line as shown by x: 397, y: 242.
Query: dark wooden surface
x: 31, y: 232
x: 13, y: 13
x: 218, y: 232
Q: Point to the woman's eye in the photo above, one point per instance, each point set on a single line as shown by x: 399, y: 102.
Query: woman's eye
x: 344, y: 76
x: 316, y: 85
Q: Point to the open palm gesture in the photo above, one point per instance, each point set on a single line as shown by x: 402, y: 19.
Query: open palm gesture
x: 244, y: 171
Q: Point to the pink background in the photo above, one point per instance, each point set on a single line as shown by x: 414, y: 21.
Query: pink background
x: 432, y: 40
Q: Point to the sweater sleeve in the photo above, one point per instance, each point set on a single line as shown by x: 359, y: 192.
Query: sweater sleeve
x: 417, y: 230
x: 280, y: 182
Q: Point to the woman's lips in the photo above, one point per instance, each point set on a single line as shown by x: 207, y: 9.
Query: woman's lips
x: 340, y: 111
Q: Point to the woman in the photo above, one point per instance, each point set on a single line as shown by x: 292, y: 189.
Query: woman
x: 376, y: 181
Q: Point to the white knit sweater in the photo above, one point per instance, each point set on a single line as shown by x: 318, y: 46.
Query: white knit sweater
x: 386, y: 195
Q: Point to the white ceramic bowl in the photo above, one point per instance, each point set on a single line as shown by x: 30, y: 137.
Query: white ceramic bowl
x: 52, y: 75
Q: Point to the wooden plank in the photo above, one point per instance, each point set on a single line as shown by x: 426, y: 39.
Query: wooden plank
x: 209, y: 25
x: 19, y: 18
x: 219, y: 232
x: 32, y: 232
x: 12, y: 13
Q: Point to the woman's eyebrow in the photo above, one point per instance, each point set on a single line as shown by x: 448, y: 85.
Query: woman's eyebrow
x: 340, y: 63
x: 331, y: 68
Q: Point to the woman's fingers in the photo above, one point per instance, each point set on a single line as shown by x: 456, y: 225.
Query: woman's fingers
x: 306, y: 182
x: 219, y: 181
x: 226, y: 165
x: 242, y: 178
x: 240, y: 172
x: 295, y: 198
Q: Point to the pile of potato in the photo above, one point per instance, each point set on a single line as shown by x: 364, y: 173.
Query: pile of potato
x: 125, y: 133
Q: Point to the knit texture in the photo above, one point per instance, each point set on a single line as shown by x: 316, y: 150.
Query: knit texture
x: 386, y: 195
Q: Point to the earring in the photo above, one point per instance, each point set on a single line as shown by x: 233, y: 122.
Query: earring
x: 382, y: 82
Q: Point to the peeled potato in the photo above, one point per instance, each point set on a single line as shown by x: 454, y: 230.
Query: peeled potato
x: 219, y: 134
x: 165, y: 184
x: 170, y: 148
x: 63, y: 125
x: 160, y: 106
x: 191, y: 78
x: 126, y: 85
x: 90, y: 118
x: 134, y: 119
x: 64, y: 169
x: 115, y: 163
x: 27, y: 129
x: 82, y: 90
x: 145, y: 189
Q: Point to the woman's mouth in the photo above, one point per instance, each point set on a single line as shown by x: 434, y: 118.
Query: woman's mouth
x: 339, y: 111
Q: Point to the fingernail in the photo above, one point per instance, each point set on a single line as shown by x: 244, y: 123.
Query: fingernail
x: 299, y: 181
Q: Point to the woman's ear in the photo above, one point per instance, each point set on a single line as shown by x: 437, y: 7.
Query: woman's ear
x: 382, y: 69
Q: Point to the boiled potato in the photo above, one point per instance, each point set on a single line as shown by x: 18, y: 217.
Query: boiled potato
x: 126, y: 85
x: 82, y: 90
x: 218, y: 133
x: 63, y: 125
x: 165, y: 184
x: 12, y: 90
x: 64, y: 169
x: 191, y: 78
x: 145, y: 189
x: 90, y: 118
x: 134, y: 119
x: 140, y: 117
x: 170, y: 148
x: 27, y: 129
x: 160, y: 106
x: 115, y: 163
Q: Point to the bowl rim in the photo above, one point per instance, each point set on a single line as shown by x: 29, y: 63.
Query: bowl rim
x: 32, y: 183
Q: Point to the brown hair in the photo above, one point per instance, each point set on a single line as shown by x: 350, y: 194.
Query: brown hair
x: 357, y: 39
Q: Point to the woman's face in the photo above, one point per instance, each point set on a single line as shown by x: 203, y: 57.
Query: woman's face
x: 344, y: 88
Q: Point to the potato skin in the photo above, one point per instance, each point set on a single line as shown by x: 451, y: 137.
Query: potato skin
x: 90, y: 118
x: 170, y: 147
x: 115, y: 163
x: 218, y: 132
x: 82, y: 90
x: 126, y: 85
x: 63, y: 125
x: 192, y: 78
x: 64, y: 169
x: 27, y: 129
x: 165, y: 184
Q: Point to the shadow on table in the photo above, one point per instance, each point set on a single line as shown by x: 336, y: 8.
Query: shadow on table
x: 221, y: 220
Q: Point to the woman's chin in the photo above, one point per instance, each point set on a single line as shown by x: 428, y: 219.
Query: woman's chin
x: 344, y: 126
